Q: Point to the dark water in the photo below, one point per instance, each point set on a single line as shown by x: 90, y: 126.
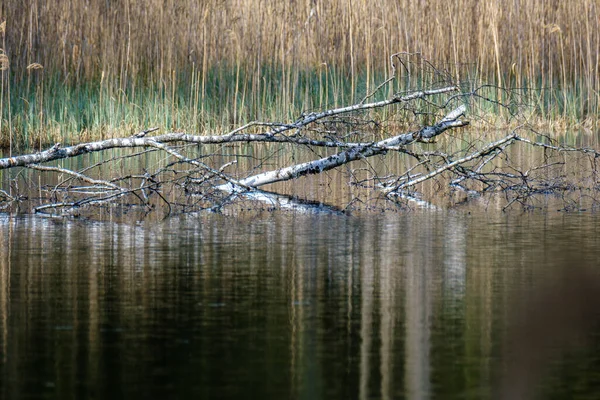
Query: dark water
x: 285, y: 306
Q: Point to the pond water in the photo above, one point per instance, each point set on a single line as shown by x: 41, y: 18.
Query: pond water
x: 281, y: 305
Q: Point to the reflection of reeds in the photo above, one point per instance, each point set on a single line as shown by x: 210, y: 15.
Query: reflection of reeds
x: 202, y: 65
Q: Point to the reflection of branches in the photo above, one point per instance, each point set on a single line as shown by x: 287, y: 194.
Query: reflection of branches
x: 187, y: 172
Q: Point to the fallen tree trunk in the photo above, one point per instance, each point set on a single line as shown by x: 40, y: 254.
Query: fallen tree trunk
x: 56, y: 152
x: 357, y: 152
x: 196, y: 172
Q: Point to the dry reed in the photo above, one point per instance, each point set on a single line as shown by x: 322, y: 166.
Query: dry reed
x: 129, y: 45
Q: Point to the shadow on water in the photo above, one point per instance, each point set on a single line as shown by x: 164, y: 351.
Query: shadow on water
x: 285, y: 305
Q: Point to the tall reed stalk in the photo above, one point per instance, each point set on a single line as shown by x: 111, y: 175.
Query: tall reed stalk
x: 208, y: 64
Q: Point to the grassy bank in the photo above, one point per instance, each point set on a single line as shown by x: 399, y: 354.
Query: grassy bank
x: 46, y: 109
x: 75, y: 68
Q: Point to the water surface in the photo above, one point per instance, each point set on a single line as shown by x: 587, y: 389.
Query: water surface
x: 283, y: 305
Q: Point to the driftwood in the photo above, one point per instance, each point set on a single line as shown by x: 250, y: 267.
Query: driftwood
x: 191, y: 172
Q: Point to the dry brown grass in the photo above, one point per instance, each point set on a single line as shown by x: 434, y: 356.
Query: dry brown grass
x: 535, y: 43
x: 556, y: 39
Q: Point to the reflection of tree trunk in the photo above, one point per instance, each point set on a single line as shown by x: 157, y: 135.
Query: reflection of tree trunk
x: 418, y: 329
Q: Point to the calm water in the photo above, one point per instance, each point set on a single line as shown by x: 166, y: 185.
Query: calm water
x: 285, y: 306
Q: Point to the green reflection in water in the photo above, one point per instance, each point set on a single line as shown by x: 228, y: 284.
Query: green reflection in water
x: 282, y: 306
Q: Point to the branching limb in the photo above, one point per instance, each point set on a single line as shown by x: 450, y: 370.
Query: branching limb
x: 189, y: 172
x: 355, y: 153
x: 486, y: 150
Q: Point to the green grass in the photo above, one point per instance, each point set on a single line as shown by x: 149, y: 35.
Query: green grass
x: 45, y: 109
x: 51, y: 110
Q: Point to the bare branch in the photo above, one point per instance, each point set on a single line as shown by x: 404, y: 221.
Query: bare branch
x: 355, y: 153
x: 486, y: 150
x: 185, y: 172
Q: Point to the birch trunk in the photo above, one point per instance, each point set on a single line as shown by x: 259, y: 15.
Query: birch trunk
x: 356, y: 153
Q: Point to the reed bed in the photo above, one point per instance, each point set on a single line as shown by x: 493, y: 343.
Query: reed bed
x: 73, y: 69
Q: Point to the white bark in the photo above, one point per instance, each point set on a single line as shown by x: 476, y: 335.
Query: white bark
x: 274, y: 135
x: 486, y: 150
x: 368, y: 150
